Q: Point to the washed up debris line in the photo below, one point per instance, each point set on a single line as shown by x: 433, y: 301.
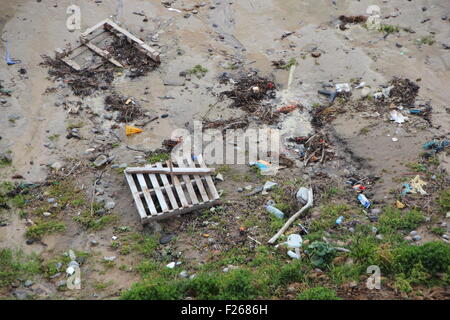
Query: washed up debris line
x: 167, y: 189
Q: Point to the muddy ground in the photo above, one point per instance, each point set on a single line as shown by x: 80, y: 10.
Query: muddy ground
x: 236, y: 38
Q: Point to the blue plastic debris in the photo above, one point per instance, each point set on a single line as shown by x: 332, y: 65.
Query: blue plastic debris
x: 364, y: 201
x: 406, y: 189
x: 339, y: 220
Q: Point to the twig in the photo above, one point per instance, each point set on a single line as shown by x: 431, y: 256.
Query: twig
x: 254, y: 240
x: 93, y: 192
x: 291, y: 219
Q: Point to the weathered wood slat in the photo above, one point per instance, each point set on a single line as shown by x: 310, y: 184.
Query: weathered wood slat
x: 210, y: 183
x: 105, y: 54
x: 198, y: 181
x: 168, y: 189
x: 180, y: 192
x: 159, y: 194
x: 136, y: 197
x: 189, y: 186
x: 153, y: 170
x: 147, y: 195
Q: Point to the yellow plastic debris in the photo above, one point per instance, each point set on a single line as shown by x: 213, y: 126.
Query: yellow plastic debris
x: 400, y: 205
x: 131, y: 130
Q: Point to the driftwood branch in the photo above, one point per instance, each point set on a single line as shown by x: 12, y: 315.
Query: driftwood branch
x: 291, y: 219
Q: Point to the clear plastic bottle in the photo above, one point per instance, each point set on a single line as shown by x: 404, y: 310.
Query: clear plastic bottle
x: 277, y: 213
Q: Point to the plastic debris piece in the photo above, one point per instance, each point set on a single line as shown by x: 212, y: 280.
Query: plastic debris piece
x: 364, y: 201
x: 293, y: 255
x: 406, y: 189
x: 276, y: 212
x: 131, y: 130
x: 399, y: 204
x: 339, y: 220
x: 417, y: 185
x: 397, y: 117
x: 269, y: 185
x: 302, y: 195
x: 343, y: 87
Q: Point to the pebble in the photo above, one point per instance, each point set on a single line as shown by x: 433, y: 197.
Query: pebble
x: 417, y: 238
x: 110, y: 205
x: 56, y: 165
x: 183, y: 274
x: 165, y: 239
x: 51, y: 200
x: 101, y: 160
x: 94, y: 243
x: 413, y: 233
x: 171, y: 265
x: 445, y: 236
x: 240, y: 190
x: 20, y: 294
x: 47, y: 214
x: 28, y: 283
x: 226, y: 269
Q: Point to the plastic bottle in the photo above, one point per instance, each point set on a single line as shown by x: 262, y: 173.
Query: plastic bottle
x: 339, y: 220
x: 277, y: 213
x: 364, y: 201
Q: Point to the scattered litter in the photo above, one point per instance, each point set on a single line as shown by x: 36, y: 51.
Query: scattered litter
x: 364, y: 201
x: 293, y: 217
x: 110, y: 259
x: 219, y: 177
x: 417, y: 185
x: 436, y: 145
x: 286, y: 109
x: 171, y: 265
x: 406, y: 189
x: 8, y: 59
x: 395, y: 139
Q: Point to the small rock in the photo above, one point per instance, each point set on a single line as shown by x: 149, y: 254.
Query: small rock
x: 28, y: 283
x: 226, y: 269
x: 379, y: 236
x: 417, y: 238
x: 94, y: 242
x: 171, y: 265
x: 46, y: 214
x: 51, y: 200
x: 165, y: 239
x: 101, y: 160
x: 20, y: 294
x: 413, y: 233
x: 56, y: 166
x: 240, y: 190
x: 61, y: 283
x: 110, y: 205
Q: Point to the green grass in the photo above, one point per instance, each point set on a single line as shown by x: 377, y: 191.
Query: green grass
x: 318, y: 293
x: 387, y: 28
x: 198, y: 71
x: 94, y: 222
x: 289, y: 64
x: 158, y: 157
x: 42, y: 228
x: 74, y: 125
x: 444, y: 201
x: 394, y: 220
x: 15, y: 264
x: 429, y: 40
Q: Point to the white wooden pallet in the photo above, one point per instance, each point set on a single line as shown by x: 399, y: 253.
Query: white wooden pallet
x: 160, y: 192
x: 107, y: 28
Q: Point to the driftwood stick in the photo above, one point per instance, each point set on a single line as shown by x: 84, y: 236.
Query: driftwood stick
x: 291, y: 219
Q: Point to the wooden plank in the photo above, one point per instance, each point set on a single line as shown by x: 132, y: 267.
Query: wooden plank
x: 180, y: 191
x: 168, y: 189
x: 181, y: 211
x: 105, y: 54
x: 198, y: 181
x: 209, y: 182
x: 178, y: 171
x: 153, y: 53
x: 136, y: 197
x: 92, y: 29
x: 147, y: 196
x: 188, y: 183
x: 163, y: 189
x: 159, y: 194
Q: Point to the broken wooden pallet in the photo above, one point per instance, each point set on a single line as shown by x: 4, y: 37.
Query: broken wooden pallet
x: 169, y: 189
x: 109, y: 29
